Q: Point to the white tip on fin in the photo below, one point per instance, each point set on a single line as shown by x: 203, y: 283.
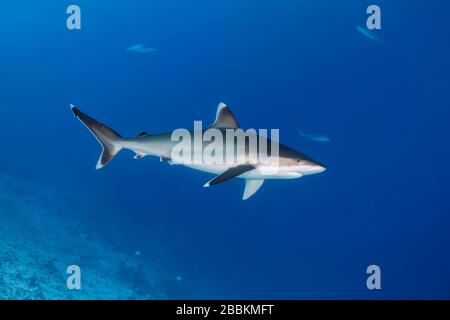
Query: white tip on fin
x: 99, y: 164
x: 220, y: 107
x: 251, y: 186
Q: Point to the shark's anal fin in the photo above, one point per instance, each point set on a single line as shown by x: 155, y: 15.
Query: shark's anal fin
x: 168, y: 159
x: 230, y: 173
x: 251, y: 186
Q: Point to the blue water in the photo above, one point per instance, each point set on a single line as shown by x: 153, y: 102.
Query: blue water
x: 383, y: 200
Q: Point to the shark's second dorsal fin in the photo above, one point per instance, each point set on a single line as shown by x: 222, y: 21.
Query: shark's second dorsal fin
x: 143, y: 133
x: 224, y: 118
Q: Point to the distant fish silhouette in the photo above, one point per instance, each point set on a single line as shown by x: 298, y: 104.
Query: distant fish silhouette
x: 315, y: 137
x: 141, y: 48
x: 370, y: 34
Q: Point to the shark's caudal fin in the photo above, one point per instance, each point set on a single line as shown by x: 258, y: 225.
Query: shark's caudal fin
x: 108, y: 138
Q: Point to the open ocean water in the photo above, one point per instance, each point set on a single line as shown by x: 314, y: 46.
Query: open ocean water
x: 147, y: 230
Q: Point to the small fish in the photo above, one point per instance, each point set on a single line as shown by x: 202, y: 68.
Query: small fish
x: 315, y: 137
x: 141, y: 48
x: 138, y: 253
x: 178, y: 278
x: 370, y: 34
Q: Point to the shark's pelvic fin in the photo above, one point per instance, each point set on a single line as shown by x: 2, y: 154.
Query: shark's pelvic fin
x: 224, y: 118
x: 108, y: 138
x: 139, y: 155
x: 230, y: 173
x: 251, y: 186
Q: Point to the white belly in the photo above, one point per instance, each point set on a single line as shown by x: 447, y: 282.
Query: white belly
x: 259, y: 173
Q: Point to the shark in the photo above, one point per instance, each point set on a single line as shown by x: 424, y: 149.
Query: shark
x: 370, y: 34
x: 141, y: 48
x: 290, y: 163
x: 316, y: 137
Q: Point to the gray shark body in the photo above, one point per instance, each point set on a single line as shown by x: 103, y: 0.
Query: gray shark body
x: 290, y: 164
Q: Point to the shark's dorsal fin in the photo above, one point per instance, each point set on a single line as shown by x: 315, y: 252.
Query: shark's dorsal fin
x: 143, y: 133
x: 224, y: 118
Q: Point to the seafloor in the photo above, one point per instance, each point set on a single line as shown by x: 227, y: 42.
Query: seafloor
x: 43, y: 229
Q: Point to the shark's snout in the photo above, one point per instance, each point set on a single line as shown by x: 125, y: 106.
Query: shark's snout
x: 318, y: 169
x: 314, y: 167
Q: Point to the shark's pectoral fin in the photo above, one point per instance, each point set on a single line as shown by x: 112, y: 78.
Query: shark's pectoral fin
x: 230, y: 173
x: 251, y: 186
